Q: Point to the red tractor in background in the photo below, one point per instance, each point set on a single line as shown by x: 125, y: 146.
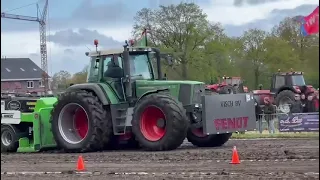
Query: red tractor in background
x: 284, y: 86
x: 228, y: 85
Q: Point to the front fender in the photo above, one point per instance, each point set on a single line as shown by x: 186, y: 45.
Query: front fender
x: 92, y: 87
x: 151, y: 92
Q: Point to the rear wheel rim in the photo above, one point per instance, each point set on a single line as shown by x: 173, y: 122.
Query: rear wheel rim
x: 149, y: 123
x: 6, y: 138
x: 73, y: 123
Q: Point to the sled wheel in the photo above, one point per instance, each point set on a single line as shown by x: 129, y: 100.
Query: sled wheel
x: 198, y: 138
x: 9, y: 138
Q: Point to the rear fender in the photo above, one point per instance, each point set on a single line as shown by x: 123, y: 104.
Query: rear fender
x: 97, y: 89
x: 228, y: 113
x: 295, y: 90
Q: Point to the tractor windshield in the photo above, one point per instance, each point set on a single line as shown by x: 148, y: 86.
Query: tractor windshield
x: 298, y: 80
x: 233, y: 81
x: 140, y: 66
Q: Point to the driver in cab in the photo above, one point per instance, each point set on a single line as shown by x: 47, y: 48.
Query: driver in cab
x: 113, y: 69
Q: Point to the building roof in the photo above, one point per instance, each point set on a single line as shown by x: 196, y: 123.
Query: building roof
x: 19, y: 69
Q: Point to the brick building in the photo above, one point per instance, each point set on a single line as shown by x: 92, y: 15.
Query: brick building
x: 21, y: 75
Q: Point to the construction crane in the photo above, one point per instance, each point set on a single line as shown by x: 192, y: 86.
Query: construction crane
x: 41, y: 19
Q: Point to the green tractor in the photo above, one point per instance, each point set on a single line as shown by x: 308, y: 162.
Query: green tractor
x: 126, y: 99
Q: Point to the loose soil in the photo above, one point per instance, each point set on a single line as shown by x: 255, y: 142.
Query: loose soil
x: 260, y: 159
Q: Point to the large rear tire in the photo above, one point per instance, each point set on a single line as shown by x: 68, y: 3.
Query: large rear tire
x: 197, y: 138
x: 80, y: 123
x: 284, y: 99
x: 159, y: 123
x: 228, y: 89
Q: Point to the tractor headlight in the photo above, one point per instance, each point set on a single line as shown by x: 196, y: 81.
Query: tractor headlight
x: 198, y: 105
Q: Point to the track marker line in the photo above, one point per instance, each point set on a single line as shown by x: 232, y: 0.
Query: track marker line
x: 268, y: 160
x: 254, y: 139
x: 43, y: 172
x: 132, y: 173
x: 218, y: 161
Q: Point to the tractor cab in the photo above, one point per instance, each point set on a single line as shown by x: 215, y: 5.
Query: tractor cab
x: 293, y: 81
x: 284, y: 87
x: 118, y: 67
x: 236, y: 82
x: 231, y: 80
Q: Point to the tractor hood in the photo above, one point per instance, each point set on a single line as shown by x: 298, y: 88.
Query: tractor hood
x: 180, y: 82
x: 185, y: 91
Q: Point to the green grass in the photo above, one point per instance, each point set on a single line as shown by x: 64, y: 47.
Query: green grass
x: 265, y: 134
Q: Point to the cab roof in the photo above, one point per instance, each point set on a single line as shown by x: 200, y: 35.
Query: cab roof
x: 117, y: 51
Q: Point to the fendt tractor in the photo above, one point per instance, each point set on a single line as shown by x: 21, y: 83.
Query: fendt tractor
x: 124, y: 98
x: 284, y: 86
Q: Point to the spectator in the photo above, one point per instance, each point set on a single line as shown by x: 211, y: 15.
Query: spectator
x: 313, y: 103
x: 304, y: 103
x: 316, y: 102
x: 269, y: 111
x: 296, y: 106
x: 310, y: 104
x: 258, y: 111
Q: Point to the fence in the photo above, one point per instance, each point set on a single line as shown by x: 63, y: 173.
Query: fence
x: 288, y: 122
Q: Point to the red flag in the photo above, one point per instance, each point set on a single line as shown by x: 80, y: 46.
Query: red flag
x: 311, y: 23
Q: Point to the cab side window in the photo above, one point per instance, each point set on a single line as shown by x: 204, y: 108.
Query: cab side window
x: 112, y: 68
x: 280, y: 81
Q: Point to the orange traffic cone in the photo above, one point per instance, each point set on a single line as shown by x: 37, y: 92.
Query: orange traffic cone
x: 235, y: 156
x: 80, y: 164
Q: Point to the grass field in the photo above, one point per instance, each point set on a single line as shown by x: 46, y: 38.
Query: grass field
x: 265, y: 134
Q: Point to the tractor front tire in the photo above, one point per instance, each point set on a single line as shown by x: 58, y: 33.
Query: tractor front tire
x: 159, y: 123
x: 199, y: 139
x: 279, y: 100
x: 9, y: 138
x: 80, y: 123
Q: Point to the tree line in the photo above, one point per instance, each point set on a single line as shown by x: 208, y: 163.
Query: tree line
x: 203, y: 51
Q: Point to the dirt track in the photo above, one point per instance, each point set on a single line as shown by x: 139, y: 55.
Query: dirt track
x: 261, y: 159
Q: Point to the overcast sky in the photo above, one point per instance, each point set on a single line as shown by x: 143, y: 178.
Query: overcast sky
x: 74, y: 24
